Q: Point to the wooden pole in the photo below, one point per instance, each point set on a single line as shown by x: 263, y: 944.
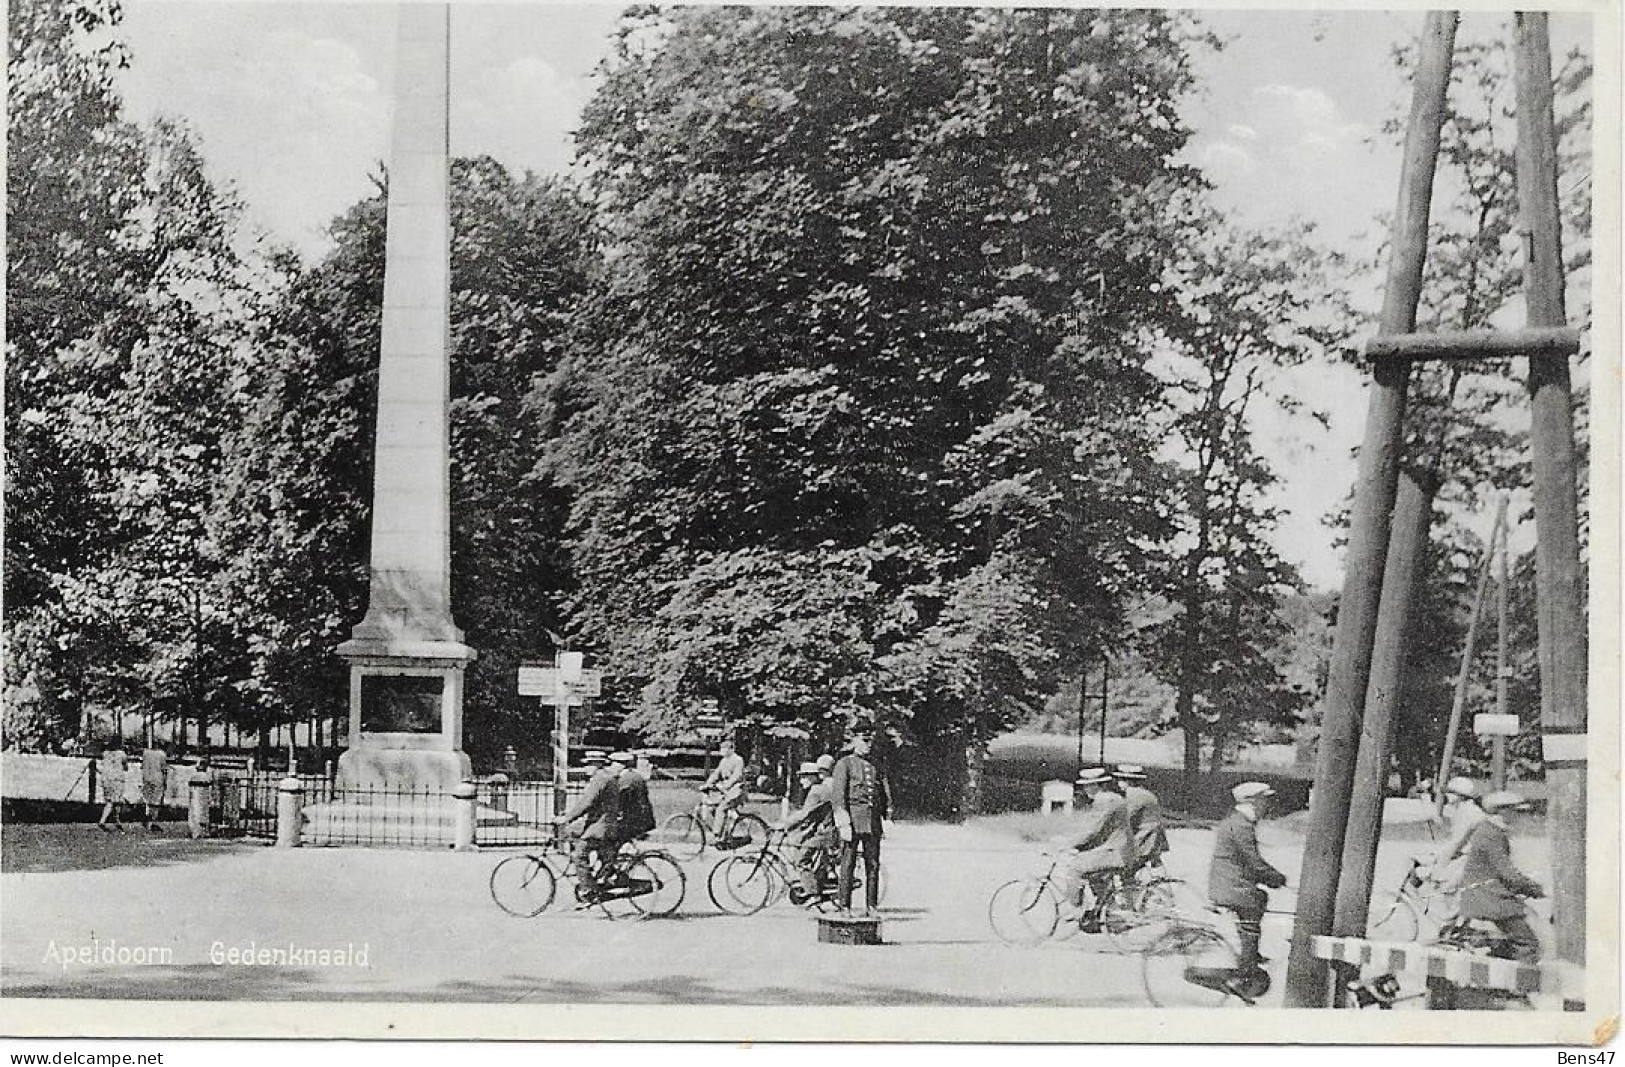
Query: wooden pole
x: 1306, y: 979
x: 1458, y: 705
x: 1498, y: 744
x: 1407, y: 548
x: 1553, y: 342
x: 1559, y: 583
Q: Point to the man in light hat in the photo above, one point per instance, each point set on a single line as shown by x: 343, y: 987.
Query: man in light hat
x: 1237, y: 872
x: 810, y: 831
x: 1100, y: 846
x: 1464, y: 814
x: 600, y: 805
x: 1492, y: 888
x: 1147, y: 837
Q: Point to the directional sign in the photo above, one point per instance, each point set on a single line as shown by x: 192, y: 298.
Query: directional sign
x: 544, y: 682
x: 590, y: 683
x: 1486, y: 725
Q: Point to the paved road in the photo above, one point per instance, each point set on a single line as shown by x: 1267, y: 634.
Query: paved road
x: 431, y: 932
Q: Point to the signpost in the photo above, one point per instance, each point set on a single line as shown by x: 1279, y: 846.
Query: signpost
x: 567, y: 684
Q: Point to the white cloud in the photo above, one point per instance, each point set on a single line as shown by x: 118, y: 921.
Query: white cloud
x: 293, y: 118
x: 521, y: 114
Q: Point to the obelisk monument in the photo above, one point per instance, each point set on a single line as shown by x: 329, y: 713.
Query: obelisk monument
x: 407, y: 655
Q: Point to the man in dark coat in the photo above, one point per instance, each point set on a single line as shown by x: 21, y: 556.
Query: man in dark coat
x: 1146, y: 835
x: 1099, y: 845
x: 809, y: 830
x: 600, y: 806
x: 1237, y: 870
x: 860, y: 800
x: 1491, y: 887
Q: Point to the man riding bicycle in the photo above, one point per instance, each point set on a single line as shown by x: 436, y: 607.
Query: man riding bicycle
x: 1492, y: 888
x: 727, y: 781
x: 1147, y: 838
x: 810, y: 831
x: 1237, y: 871
x: 1100, y: 847
x: 617, y: 809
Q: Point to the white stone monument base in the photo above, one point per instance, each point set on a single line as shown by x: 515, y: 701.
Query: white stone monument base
x: 424, y: 822
x: 409, y: 770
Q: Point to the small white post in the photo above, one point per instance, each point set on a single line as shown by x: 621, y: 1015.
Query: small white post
x: 289, y: 813
x: 200, y: 789
x: 464, y: 793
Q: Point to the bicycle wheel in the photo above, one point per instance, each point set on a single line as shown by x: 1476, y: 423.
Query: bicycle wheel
x: 669, y: 884
x: 1143, y: 911
x: 683, y: 835
x: 523, y: 885
x: 743, y: 885
x: 1391, y: 918
x: 1024, y: 911
x: 1186, y: 966
x: 749, y: 832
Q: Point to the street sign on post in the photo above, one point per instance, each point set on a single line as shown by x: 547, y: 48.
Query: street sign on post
x: 1487, y: 725
x: 566, y: 684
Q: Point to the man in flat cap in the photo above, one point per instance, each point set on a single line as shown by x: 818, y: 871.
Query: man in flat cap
x: 1238, y: 872
x: 860, y: 800
x: 1491, y: 887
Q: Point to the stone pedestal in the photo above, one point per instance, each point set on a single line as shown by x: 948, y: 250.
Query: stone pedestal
x: 406, y: 716
x: 848, y: 930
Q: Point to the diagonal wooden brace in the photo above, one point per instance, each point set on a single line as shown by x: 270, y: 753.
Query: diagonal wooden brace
x: 1534, y: 341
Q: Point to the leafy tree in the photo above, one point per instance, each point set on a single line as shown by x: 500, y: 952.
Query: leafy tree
x: 1250, y: 305
x: 857, y: 427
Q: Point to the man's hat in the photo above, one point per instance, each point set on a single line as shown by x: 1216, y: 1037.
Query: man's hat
x: 1461, y: 787
x: 622, y: 757
x: 1503, y: 800
x: 1129, y: 771
x: 1251, y: 791
x: 807, y: 769
x: 826, y: 762
x: 1092, y: 776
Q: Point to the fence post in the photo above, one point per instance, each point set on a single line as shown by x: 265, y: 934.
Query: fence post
x: 199, y: 787
x: 464, y: 793
x: 289, y: 802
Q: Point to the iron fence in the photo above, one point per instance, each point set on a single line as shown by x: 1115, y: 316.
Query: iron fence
x: 517, y: 813
x: 506, y: 813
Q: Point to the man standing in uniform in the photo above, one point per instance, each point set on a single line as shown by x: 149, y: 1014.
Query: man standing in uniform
x: 1100, y: 845
x: 728, y: 779
x: 860, y: 801
x: 1147, y: 838
x: 1491, y: 887
x: 1237, y: 871
x: 600, y: 805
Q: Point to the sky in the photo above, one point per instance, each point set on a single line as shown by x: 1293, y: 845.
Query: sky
x: 292, y: 103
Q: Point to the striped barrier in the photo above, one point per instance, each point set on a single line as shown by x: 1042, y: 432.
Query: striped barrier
x: 1456, y: 966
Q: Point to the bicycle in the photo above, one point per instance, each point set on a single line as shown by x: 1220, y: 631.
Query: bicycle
x: 1399, y: 915
x: 1480, y: 937
x: 745, y: 883
x: 1192, y: 964
x: 1025, y: 911
x: 687, y: 833
x: 644, y: 883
